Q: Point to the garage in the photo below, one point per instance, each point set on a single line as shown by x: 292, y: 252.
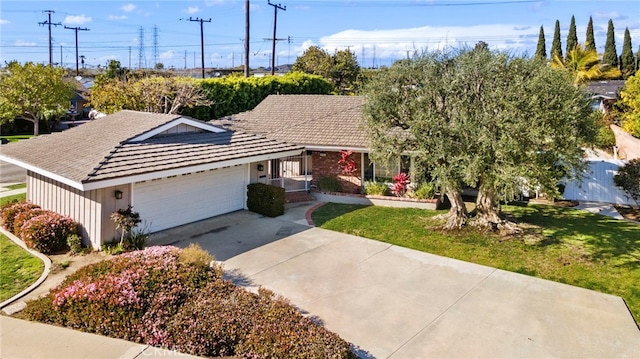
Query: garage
x: 177, y: 200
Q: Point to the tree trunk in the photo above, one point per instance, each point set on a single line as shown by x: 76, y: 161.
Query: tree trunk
x: 36, y: 127
x: 487, y: 213
x: 457, y: 216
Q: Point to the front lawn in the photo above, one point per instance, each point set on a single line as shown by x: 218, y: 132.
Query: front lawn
x: 559, y: 244
x: 16, y: 186
x: 16, y: 138
x: 18, y: 268
x: 16, y: 197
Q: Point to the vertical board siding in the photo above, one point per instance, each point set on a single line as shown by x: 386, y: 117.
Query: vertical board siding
x: 68, y: 201
x: 597, y: 184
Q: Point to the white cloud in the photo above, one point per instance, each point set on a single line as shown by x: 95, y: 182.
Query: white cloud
x: 191, y: 10
x: 23, y: 43
x: 117, y: 17
x: 613, y: 15
x: 397, y: 43
x: 76, y: 20
x: 167, y: 55
x: 128, y: 7
x: 4, y: 22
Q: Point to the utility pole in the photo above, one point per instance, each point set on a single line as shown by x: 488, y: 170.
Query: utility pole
x: 48, y: 22
x: 246, y: 38
x: 275, y: 22
x: 201, y: 21
x: 76, y: 30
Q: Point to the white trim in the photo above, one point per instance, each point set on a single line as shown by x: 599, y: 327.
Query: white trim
x: 177, y: 122
x: 43, y: 172
x: 335, y: 148
x: 179, y: 171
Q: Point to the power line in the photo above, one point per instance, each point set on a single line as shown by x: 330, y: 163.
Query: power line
x: 141, y: 56
x: 48, y: 22
x: 275, y: 24
x: 76, y: 29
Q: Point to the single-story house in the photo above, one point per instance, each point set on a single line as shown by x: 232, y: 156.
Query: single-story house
x: 172, y: 169
x: 325, y: 125
x: 604, y: 93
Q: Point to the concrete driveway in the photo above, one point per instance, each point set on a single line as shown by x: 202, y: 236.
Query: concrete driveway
x: 392, y: 302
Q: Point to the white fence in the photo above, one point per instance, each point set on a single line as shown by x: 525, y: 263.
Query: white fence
x: 597, y: 184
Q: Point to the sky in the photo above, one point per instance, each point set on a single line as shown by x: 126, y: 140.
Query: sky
x: 143, y: 33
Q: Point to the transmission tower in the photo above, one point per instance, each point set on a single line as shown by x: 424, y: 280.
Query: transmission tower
x: 155, y: 46
x: 141, y: 58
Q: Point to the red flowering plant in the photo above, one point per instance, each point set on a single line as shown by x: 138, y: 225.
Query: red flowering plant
x: 400, y: 183
x: 346, y: 162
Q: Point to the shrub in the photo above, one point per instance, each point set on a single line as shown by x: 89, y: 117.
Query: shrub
x: 375, y: 188
x: 47, y: 232
x: 425, y: 190
x: 195, y: 255
x: 265, y: 199
x: 137, y: 239
x: 628, y: 178
x: 329, y: 184
x: 10, y: 212
x: 400, y: 183
x: 74, y: 242
x: 165, y: 297
x: 24, y: 215
x: 113, y: 247
x: 125, y: 219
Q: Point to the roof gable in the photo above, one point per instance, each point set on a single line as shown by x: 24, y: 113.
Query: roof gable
x: 178, y: 125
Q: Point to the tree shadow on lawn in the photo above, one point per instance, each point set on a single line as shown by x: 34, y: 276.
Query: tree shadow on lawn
x: 615, y: 241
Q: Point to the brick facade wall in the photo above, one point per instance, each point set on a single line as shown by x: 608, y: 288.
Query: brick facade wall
x: 327, y: 166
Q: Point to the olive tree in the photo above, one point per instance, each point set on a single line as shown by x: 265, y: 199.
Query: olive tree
x: 33, y: 92
x: 480, y: 118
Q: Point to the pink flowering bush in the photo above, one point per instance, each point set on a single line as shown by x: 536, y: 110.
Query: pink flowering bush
x: 173, y: 298
x: 13, y: 210
x: 47, y: 232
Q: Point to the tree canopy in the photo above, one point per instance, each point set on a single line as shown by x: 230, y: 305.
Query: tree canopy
x: 627, y: 60
x: 590, y: 42
x: 33, y: 92
x: 610, y: 56
x: 629, y: 105
x: 585, y: 66
x: 341, y: 68
x: 486, y: 119
x: 541, y: 49
x: 556, y: 45
x: 572, y: 37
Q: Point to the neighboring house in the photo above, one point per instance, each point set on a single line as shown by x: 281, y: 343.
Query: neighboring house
x: 172, y: 169
x: 324, y: 125
x: 604, y: 93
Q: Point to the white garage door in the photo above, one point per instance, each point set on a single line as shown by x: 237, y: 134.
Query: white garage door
x: 170, y: 202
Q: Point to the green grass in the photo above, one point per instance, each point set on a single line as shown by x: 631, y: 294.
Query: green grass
x: 559, y: 244
x: 16, y: 186
x: 16, y: 138
x: 16, y: 197
x: 18, y: 268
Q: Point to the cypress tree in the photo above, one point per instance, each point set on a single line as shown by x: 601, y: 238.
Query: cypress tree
x: 590, y: 43
x: 627, y: 65
x: 541, y: 50
x: 610, y: 53
x: 572, y: 38
x: 556, y: 46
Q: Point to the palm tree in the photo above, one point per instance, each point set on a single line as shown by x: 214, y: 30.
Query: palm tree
x: 585, y: 65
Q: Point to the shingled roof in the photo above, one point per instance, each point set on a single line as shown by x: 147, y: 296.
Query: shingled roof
x: 310, y: 120
x: 131, y: 143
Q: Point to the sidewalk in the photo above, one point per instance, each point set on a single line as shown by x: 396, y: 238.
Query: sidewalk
x: 23, y: 339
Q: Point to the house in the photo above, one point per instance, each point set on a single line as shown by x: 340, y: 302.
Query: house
x: 604, y: 93
x: 172, y: 169
x: 325, y: 125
